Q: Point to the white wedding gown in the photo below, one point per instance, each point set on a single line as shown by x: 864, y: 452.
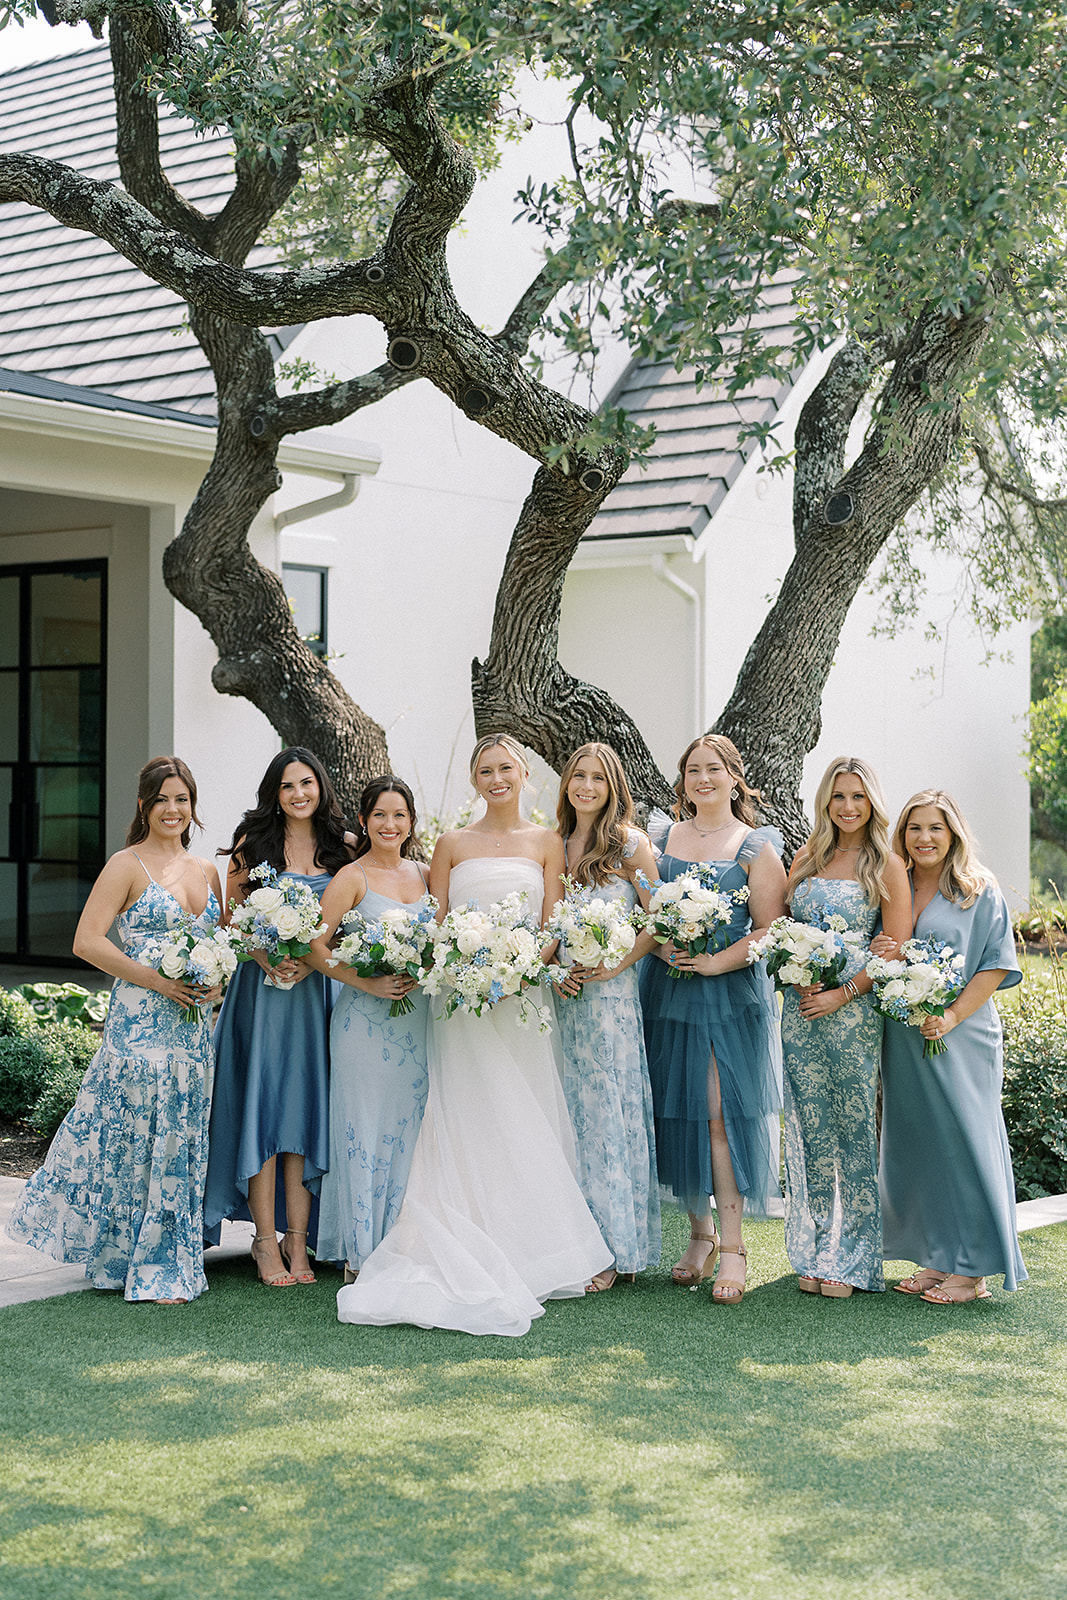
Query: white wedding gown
x: 493, y: 1221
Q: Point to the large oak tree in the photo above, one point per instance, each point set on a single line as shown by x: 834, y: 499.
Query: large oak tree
x: 903, y: 159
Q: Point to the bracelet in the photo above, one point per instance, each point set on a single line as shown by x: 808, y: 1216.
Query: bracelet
x: 850, y: 989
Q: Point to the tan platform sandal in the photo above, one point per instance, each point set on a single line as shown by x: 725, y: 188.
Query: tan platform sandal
x: 273, y: 1280
x: 689, y: 1277
x: 730, y: 1294
x: 287, y: 1256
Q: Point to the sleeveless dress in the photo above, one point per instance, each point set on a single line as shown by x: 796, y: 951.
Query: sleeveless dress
x: 493, y: 1221
x: 377, y: 1098
x: 605, y: 1081
x: 833, y: 1223
x: 948, y: 1194
x: 271, y: 1087
x: 730, y: 1021
x: 121, y: 1192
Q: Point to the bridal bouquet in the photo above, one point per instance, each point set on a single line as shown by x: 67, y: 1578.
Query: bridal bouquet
x: 481, y: 957
x: 805, y: 952
x: 188, y: 952
x: 690, y: 910
x: 281, y: 917
x: 922, y: 984
x: 593, y: 931
x: 400, y: 941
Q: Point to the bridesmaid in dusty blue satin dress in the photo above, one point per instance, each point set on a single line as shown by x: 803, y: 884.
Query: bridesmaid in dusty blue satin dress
x: 714, y: 1051
x: 832, y: 1040
x: 271, y: 1044
x: 121, y: 1191
x: 377, y: 1063
x: 605, y: 1070
x: 948, y: 1194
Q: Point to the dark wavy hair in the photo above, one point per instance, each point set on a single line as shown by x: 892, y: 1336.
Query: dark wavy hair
x: 260, y: 834
x: 150, y: 780
x: 388, y: 783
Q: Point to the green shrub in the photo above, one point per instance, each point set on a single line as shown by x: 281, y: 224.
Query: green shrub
x: 26, y: 1064
x: 41, y: 1067
x: 16, y: 1014
x: 1035, y: 1091
x: 56, y: 1098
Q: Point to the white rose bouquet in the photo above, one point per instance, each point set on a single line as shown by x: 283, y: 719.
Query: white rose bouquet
x: 690, y: 911
x: 922, y: 984
x: 281, y: 918
x: 188, y: 953
x: 592, y: 931
x: 481, y: 957
x: 400, y: 941
x: 805, y: 952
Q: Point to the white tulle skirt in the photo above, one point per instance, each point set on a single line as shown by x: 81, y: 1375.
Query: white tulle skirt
x: 493, y: 1221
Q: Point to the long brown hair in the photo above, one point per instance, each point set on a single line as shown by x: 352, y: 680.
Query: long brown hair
x: 388, y: 783
x: 744, y: 806
x: 963, y: 876
x: 150, y: 780
x: 603, y: 858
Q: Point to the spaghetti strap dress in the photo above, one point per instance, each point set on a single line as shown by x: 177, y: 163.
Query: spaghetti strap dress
x: 271, y: 1087
x: 377, y: 1098
x: 493, y: 1221
x: 605, y: 1080
x: 121, y: 1192
x: 730, y: 1022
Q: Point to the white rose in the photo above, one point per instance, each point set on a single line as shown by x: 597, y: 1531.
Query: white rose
x: 666, y: 895
x: 287, y: 920
x: 893, y: 989
x: 522, y: 945
x: 624, y: 937
x: 266, y: 900
x: 173, y: 962
x: 468, y: 940
x: 791, y: 973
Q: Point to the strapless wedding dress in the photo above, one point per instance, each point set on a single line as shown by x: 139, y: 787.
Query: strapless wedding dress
x: 493, y: 1221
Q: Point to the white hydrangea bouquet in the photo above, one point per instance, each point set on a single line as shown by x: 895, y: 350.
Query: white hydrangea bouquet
x: 481, y: 957
x: 592, y: 931
x: 188, y: 953
x: 804, y: 953
x: 922, y: 984
x: 400, y: 941
x: 281, y: 918
x: 689, y: 911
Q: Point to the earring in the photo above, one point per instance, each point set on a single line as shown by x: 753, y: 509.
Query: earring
x: 733, y: 794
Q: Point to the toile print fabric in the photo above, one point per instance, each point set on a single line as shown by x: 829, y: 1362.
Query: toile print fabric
x: 605, y: 1081
x: 378, y: 1079
x: 122, y: 1190
x: 833, y: 1224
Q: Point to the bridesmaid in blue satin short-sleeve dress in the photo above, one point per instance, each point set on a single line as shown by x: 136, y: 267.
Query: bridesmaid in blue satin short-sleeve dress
x: 121, y: 1191
x: 714, y: 1052
x: 832, y: 1040
x: 377, y: 1062
x: 948, y: 1194
x: 605, y: 1070
x: 271, y: 1095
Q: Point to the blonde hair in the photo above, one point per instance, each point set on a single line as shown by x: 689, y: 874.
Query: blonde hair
x: 963, y: 876
x: 744, y: 806
x: 603, y: 859
x: 823, y: 840
x: 507, y: 742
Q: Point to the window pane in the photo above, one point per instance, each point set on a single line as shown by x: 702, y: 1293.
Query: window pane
x: 9, y: 622
x: 65, y: 715
x: 68, y: 814
x: 9, y: 716
x: 56, y: 897
x: 64, y: 618
x: 306, y: 588
x: 8, y: 909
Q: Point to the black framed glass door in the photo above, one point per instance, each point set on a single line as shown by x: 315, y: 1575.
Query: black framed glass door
x: 52, y: 683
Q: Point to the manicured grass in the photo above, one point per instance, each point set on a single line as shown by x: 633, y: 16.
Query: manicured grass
x: 637, y: 1444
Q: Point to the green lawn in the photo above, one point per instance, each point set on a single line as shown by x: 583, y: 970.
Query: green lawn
x: 641, y: 1443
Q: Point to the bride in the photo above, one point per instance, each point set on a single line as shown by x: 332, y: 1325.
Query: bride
x: 493, y: 1221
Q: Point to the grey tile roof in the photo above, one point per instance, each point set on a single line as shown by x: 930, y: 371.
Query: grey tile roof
x: 71, y: 309
x: 698, y: 452
x: 12, y: 382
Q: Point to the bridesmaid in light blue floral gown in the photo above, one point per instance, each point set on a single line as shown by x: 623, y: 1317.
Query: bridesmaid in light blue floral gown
x: 377, y: 1063
x: 605, y: 1070
x: 121, y: 1192
x: 832, y: 1040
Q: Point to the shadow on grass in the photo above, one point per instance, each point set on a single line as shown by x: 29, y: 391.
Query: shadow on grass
x: 642, y: 1442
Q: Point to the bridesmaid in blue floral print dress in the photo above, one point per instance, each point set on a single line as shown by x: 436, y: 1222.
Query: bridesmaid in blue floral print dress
x: 832, y: 1040
x: 605, y: 1070
x: 122, y: 1189
x: 378, y: 1069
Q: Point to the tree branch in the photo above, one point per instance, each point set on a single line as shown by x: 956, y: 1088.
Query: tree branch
x: 295, y: 413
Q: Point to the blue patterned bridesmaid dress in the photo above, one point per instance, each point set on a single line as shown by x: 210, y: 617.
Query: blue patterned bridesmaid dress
x: 122, y: 1190
x: 833, y: 1224
x: 605, y: 1080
